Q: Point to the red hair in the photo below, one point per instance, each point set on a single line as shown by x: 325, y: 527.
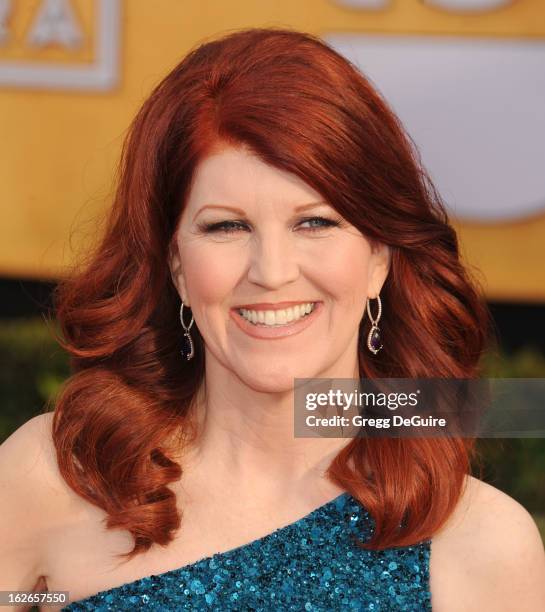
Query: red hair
x: 303, y: 108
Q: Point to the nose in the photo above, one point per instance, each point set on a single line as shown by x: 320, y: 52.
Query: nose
x: 273, y: 261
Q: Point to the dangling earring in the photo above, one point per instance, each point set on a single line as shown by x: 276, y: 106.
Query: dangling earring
x: 374, y: 341
x: 187, y: 342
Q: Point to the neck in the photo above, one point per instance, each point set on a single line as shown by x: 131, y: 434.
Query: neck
x: 246, y: 441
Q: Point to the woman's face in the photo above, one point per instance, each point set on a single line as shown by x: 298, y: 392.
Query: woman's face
x: 252, y: 237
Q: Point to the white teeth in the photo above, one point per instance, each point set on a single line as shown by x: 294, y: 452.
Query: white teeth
x: 277, y: 317
x: 282, y: 317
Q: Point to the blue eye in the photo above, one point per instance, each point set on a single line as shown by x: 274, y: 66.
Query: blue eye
x: 229, y: 227
x: 323, y: 223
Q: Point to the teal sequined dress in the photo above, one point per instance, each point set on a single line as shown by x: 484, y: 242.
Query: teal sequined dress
x: 312, y: 564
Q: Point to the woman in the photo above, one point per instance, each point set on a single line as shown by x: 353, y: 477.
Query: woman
x: 270, y: 199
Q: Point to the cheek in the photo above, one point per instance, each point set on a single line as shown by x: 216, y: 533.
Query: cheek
x: 209, y: 275
x: 345, y: 270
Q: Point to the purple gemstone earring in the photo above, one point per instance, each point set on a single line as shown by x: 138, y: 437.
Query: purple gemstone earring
x: 187, y: 350
x: 374, y: 341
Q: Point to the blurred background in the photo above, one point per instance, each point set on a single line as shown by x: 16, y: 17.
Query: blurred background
x: 466, y: 78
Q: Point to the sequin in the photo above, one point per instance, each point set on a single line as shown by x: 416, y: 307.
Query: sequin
x: 312, y: 564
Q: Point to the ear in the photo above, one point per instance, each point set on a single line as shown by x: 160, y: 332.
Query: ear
x: 381, y: 257
x: 176, y: 271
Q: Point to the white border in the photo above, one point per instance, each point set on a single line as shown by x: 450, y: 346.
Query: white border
x: 102, y: 74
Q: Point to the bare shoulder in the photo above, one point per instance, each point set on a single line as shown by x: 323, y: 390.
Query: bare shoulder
x: 30, y: 467
x: 30, y: 477
x: 488, y: 556
x: 29, y: 448
x: 32, y: 500
x: 26, y: 454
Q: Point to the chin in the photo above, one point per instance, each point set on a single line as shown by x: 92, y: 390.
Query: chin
x: 277, y: 380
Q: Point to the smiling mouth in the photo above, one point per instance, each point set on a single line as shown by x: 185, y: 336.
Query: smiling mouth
x: 278, y: 317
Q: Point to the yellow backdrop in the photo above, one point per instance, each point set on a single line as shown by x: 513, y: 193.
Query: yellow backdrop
x: 60, y: 145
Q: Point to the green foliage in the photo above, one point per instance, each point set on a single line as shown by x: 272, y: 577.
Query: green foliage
x: 528, y: 362
x: 516, y: 465
x: 34, y: 368
x: 540, y: 521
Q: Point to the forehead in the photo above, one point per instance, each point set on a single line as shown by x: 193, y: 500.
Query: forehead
x: 240, y: 178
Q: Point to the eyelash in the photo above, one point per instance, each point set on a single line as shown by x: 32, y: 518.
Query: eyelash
x: 221, y: 226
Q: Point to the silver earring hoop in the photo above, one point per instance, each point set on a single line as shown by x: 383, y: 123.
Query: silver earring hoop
x: 188, y: 350
x: 374, y: 340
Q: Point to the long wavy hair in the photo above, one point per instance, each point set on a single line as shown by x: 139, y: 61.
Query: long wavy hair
x: 303, y: 108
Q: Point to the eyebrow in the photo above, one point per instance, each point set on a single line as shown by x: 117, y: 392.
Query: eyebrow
x: 240, y: 212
